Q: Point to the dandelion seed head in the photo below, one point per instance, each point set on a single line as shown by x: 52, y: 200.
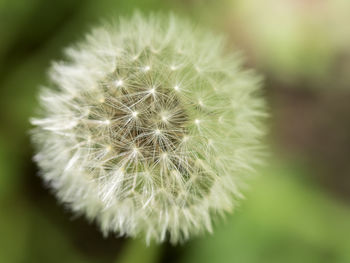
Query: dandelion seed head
x: 119, y: 83
x: 136, y: 149
x: 146, y: 68
x: 152, y: 91
x: 134, y: 114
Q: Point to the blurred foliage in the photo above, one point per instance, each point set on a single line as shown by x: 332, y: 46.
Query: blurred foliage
x: 288, y: 216
x: 296, y: 40
x: 138, y: 251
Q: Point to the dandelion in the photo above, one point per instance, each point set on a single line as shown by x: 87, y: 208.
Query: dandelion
x: 148, y: 128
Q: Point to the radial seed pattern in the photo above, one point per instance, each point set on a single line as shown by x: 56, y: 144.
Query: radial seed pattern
x: 148, y: 128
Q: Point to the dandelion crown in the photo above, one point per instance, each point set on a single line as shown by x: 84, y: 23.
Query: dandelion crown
x: 148, y: 128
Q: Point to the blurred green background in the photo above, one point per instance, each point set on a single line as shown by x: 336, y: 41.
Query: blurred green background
x: 296, y: 210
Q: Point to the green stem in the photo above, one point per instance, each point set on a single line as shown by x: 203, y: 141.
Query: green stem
x: 138, y: 251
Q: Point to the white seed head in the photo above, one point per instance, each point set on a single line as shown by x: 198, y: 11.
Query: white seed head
x: 134, y: 114
x: 154, y: 152
x: 119, y: 83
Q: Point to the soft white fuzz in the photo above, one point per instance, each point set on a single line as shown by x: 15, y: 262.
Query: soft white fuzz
x: 148, y: 128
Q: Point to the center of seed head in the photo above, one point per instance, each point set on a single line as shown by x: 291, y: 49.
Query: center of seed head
x: 147, y: 122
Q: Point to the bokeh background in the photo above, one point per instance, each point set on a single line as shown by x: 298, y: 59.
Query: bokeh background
x: 296, y: 210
